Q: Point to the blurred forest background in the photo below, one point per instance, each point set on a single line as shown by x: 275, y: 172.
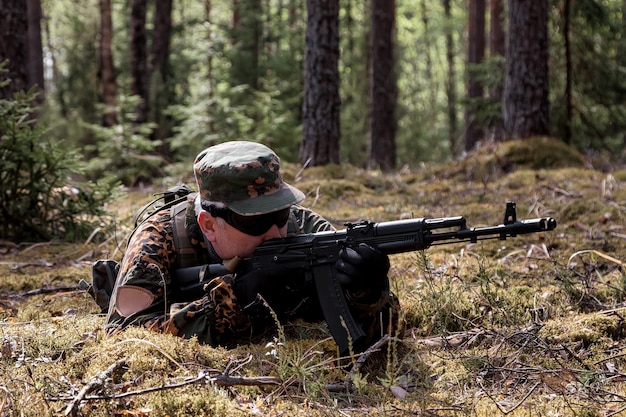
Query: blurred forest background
x: 94, y: 94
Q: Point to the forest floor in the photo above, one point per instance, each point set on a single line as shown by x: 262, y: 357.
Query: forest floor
x: 528, y: 326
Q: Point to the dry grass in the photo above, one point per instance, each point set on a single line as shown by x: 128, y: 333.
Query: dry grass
x: 528, y: 326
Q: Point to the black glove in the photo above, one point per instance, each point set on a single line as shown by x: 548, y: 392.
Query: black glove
x: 276, y: 284
x: 362, y: 272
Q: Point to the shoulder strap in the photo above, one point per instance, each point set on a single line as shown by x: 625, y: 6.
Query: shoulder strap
x: 292, y: 224
x: 170, y: 197
x: 187, y: 255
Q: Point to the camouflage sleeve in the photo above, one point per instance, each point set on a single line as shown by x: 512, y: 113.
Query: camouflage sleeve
x: 145, y: 267
x: 214, y: 317
x: 307, y: 221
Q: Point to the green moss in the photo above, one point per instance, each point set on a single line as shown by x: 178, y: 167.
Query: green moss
x: 495, y: 160
x: 537, y: 153
x: 587, y: 328
x: 499, y: 291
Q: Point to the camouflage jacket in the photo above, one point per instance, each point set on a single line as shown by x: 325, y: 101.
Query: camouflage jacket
x: 216, y: 317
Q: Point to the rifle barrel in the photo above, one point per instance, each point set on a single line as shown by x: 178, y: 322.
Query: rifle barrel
x: 501, y: 231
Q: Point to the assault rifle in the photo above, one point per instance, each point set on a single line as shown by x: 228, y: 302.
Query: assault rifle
x: 317, y: 253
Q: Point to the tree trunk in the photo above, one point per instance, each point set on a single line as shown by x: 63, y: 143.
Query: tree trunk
x: 247, y: 35
x: 160, y: 49
x: 107, y: 69
x: 621, y: 56
x: 321, y: 104
x: 497, y: 49
x: 139, y: 58
x: 56, y: 80
x: 475, y: 55
x: 451, y: 83
x: 159, y: 67
x: 497, y: 36
x: 273, y: 20
x: 526, y: 101
x: 35, y: 50
x: 567, y: 137
x: 293, y: 21
x: 427, y: 45
x: 14, y: 46
x: 382, y: 84
x: 209, y: 71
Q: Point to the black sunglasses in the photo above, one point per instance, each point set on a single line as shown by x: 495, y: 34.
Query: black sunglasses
x: 250, y: 225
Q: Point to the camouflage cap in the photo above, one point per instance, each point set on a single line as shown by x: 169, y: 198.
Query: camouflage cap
x: 245, y: 176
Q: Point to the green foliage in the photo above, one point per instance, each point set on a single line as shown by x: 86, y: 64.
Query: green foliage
x: 353, y: 87
x: 218, y: 89
x: 535, y: 153
x: 438, y: 304
x: 123, y: 152
x: 487, y: 109
x: 594, y: 280
x: 38, y: 199
x: 424, y: 130
x: 598, y: 84
x: 265, y: 118
x: 74, y: 44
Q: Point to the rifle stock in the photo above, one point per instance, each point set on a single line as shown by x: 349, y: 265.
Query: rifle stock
x: 317, y: 253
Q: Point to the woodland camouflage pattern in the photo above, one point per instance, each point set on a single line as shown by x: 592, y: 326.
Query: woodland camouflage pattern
x: 245, y: 176
x: 216, y: 317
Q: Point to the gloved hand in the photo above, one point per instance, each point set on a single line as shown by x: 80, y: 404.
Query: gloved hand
x: 362, y: 272
x: 274, y: 284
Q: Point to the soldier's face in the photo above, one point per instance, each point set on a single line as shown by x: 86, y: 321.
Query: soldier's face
x: 229, y: 242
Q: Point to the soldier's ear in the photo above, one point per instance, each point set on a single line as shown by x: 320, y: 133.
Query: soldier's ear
x: 208, y: 225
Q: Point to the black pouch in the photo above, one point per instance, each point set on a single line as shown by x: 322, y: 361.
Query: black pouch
x: 103, y: 274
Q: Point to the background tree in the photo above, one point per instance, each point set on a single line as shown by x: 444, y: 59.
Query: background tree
x: 139, y: 58
x: 475, y: 56
x: 382, y: 82
x: 568, y: 72
x: 526, y: 102
x: 497, y: 51
x: 160, y: 92
x: 587, y: 86
x: 354, y: 85
x: 35, y: 50
x: 320, y: 109
x: 201, y: 109
x: 74, y: 93
x: 14, y: 45
x: 107, y: 68
x: 247, y: 32
x: 209, y: 65
x: 451, y: 94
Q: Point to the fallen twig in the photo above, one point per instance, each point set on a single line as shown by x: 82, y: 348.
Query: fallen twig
x: 45, y: 290
x: 596, y: 252
x: 94, y: 383
x: 19, y: 265
x: 363, y: 357
x: 516, y: 405
x: 229, y: 381
x: 454, y: 341
x: 218, y: 380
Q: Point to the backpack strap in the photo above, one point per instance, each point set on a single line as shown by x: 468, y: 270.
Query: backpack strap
x: 187, y: 255
x: 292, y: 225
x: 170, y: 197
